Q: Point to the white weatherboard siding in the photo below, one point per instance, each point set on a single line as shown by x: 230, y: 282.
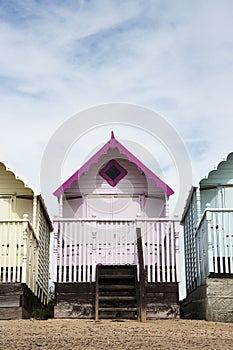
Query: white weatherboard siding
x: 133, y: 195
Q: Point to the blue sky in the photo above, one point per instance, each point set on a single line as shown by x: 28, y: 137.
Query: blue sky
x: 61, y: 57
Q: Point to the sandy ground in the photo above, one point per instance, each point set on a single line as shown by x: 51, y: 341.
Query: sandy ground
x: 88, y: 334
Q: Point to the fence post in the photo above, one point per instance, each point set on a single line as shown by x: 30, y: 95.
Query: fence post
x: 142, y: 305
x: 55, y: 254
x: 210, y: 247
x: 24, y: 260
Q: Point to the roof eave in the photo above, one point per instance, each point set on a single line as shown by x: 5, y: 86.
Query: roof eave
x: 113, y: 143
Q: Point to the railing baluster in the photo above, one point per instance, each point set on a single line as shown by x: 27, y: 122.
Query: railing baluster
x: 158, y: 232
x: 154, y: 252
x: 147, y: 249
x: 55, y: 255
x: 163, y: 254
x: 231, y: 241
x: 225, y: 250
x: 168, y: 251
x: 8, y: 250
x: 109, y: 244
x: 209, y: 244
x: 5, y: 252
x: 125, y: 227
x: 75, y: 260
x: 215, y: 241
x: 65, y: 254
x: 94, y: 256
x: 89, y: 254
x: 80, y: 249
x: 19, y: 240
x: 70, y: 244
x: 60, y: 240
x: 220, y: 241
x: 84, y: 247
x: 173, y: 252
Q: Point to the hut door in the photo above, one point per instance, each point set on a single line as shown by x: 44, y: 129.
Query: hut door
x: 113, y: 206
x: 125, y: 206
x: 5, y: 207
x: 99, y: 206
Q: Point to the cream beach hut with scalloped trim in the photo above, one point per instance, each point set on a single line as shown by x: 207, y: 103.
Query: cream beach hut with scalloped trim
x: 25, y: 229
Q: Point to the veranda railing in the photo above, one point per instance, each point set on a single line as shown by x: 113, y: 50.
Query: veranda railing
x: 81, y: 244
x: 18, y: 253
x: 214, y: 239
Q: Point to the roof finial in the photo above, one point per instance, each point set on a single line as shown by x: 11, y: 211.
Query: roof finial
x: 112, y: 135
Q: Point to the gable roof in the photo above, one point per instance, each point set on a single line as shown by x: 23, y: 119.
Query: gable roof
x: 18, y: 177
x: 113, y: 143
x: 25, y: 185
x: 222, y: 175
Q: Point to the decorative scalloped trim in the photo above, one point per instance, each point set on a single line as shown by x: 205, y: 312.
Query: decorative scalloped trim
x: 113, y: 143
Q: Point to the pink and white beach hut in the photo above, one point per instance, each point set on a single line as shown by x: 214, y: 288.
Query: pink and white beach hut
x: 96, y: 250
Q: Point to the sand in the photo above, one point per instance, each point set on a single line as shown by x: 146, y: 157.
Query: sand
x: 106, y: 334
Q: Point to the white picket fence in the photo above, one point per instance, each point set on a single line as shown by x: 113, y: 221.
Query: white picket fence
x: 81, y: 244
x: 214, y: 239
x: 18, y: 253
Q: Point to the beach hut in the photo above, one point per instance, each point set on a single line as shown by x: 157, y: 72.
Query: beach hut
x: 208, y: 241
x: 24, y: 247
x: 115, y: 247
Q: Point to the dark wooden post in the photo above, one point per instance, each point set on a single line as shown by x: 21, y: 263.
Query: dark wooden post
x: 142, y: 279
x: 97, y: 294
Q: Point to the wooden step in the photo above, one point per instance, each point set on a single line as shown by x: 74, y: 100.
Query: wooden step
x: 117, y: 297
x: 121, y: 271
x: 113, y: 276
x: 118, y: 309
x: 117, y: 287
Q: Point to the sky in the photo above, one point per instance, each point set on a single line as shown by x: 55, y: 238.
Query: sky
x: 59, y: 58
x: 63, y: 57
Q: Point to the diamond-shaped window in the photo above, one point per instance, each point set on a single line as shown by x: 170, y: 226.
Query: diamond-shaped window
x: 113, y: 172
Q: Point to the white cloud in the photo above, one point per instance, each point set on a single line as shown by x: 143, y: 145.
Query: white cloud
x: 59, y: 58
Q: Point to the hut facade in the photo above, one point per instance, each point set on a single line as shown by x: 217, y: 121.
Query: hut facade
x: 208, y: 240
x: 113, y: 219
x: 24, y: 247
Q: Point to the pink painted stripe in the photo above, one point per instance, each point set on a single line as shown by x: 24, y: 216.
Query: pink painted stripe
x: 113, y: 143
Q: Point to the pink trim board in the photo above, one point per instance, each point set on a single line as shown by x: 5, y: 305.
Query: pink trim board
x: 113, y: 143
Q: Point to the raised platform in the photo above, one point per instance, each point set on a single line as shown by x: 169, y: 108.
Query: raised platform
x: 16, y: 301
x: 212, y: 301
x: 77, y: 300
